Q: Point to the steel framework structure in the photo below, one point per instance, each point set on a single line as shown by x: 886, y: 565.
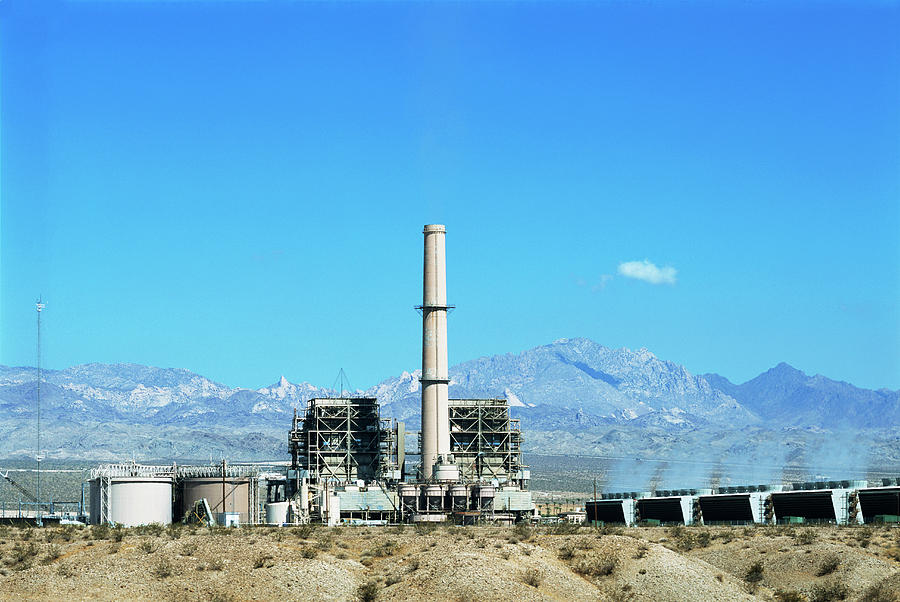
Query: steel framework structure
x: 485, y: 442
x: 337, y: 440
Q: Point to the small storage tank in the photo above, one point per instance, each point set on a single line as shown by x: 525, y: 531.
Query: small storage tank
x: 276, y: 513
x: 434, y: 498
x: 236, y: 495
x: 132, y: 501
x: 408, y: 494
x: 484, y: 497
x: 458, y: 497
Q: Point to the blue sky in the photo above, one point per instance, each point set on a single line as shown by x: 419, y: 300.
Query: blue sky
x: 239, y: 188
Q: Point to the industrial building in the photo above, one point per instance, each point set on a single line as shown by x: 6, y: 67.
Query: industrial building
x: 819, y: 502
x: 135, y: 494
x: 347, y: 464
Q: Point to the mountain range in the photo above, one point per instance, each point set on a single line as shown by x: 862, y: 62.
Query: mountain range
x: 644, y: 418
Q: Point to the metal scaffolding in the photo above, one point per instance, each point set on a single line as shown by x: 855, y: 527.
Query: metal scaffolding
x: 485, y: 442
x: 337, y: 440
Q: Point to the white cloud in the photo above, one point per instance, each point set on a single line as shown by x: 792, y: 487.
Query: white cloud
x: 648, y: 272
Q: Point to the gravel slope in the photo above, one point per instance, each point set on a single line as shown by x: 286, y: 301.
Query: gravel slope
x: 444, y: 564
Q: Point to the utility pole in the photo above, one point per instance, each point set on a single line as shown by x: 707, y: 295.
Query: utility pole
x: 40, y: 456
x: 595, y: 501
x: 224, y: 521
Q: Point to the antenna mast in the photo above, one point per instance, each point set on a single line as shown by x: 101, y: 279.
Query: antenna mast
x: 39, y: 456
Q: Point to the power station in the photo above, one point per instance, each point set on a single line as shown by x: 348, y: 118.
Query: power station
x: 349, y: 465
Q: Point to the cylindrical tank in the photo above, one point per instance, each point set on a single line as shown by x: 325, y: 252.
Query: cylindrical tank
x: 485, y: 497
x: 236, y: 495
x: 458, y: 496
x: 133, y: 501
x: 445, y: 472
x: 433, y: 498
x: 276, y: 513
x: 408, y: 495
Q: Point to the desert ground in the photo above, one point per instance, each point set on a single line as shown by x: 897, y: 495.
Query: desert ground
x: 519, y: 563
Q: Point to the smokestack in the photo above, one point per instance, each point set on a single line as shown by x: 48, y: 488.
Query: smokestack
x: 435, y: 369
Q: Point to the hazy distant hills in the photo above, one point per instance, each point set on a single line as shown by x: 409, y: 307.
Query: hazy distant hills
x: 572, y: 396
x: 788, y: 396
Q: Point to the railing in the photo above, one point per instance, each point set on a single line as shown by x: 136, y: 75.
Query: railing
x: 49, y: 508
x: 132, y: 470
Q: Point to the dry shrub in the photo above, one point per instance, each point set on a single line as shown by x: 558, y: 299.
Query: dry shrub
x: 805, y: 537
x: 147, y: 546
x: 608, y: 530
x: 309, y: 552
x: 828, y: 592
x: 65, y: 570
x: 523, y: 530
x: 263, y: 561
x: 188, y: 549
x: 424, y: 528
x: 163, y: 569
x: 53, y: 552
x: 565, y: 528
x: 174, y: 530
x: 567, y: 552
x: 100, y: 531
x: 703, y: 538
x: 829, y: 565
x: 153, y: 529
x: 67, y: 533
x: 596, y: 566
x: 789, y: 596
x: 532, y: 577
x: 880, y: 593
x: 387, y: 548
x: 23, y: 555
x: 368, y: 591
x: 324, y: 545
x: 754, y: 574
x: 864, y: 536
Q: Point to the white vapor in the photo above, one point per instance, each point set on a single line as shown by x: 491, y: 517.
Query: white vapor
x: 648, y: 272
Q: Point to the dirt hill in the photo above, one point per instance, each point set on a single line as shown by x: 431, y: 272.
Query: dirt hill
x: 451, y: 563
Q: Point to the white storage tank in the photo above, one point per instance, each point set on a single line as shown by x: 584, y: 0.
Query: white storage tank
x: 131, y: 501
x: 276, y: 513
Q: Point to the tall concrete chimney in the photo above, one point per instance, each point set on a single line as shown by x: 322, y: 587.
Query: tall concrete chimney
x: 435, y: 368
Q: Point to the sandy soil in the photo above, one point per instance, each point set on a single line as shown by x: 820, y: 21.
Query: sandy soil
x: 454, y: 563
